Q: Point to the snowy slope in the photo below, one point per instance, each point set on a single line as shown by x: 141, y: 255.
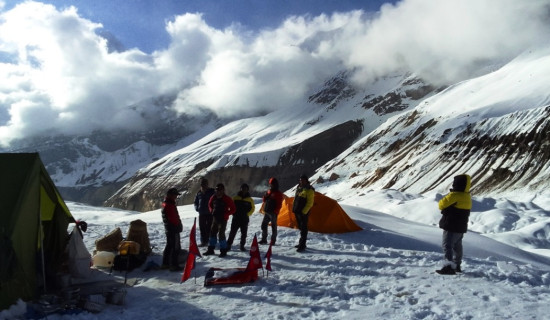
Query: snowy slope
x: 493, y: 127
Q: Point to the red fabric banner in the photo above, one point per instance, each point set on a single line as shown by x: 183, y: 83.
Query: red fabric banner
x: 255, y: 261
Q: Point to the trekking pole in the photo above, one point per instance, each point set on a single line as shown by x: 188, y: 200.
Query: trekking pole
x: 127, y: 267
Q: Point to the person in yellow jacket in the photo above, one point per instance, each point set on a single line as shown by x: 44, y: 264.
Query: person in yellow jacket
x: 303, y: 201
x: 455, y: 209
x: 245, y: 207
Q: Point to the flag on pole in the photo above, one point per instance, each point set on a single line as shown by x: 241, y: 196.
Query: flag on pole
x: 255, y: 261
x: 193, y: 252
x: 268, y: 259
x: 189, y: 265
x: 193, y: 247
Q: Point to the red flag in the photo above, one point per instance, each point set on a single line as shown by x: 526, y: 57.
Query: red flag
x: 193, y: 248
x: 268, y: 258
x: 189, y: 265
x: 193, y: 252
x: 255, y: 261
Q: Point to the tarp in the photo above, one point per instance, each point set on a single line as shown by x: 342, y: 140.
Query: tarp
x: 326, y: 216
x: 32, y: 215
x: 217, y: 276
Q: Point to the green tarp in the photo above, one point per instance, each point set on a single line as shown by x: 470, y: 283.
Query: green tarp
x: 32, y: 215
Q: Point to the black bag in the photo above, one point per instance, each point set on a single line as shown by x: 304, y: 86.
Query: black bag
x: 128, y: 262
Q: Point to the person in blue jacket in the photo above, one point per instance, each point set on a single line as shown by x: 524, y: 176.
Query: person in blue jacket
x: 201, y: 206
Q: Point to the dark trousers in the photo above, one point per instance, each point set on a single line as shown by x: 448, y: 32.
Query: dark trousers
x: 269, y: 217
x: 172, y: 250
x: 217, y: 232
x: 302, y: 220
x: 236, y: 224
x: 205, y: 224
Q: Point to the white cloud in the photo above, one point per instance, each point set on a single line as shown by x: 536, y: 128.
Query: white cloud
x: 56, y: 68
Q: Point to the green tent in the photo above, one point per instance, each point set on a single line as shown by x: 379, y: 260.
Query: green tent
x: 33, y: 228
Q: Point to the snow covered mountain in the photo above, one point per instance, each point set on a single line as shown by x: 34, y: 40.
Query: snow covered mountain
x: 397, y: 133
x: 281, y: 144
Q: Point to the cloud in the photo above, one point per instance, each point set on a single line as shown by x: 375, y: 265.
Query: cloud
x: 60, y: 76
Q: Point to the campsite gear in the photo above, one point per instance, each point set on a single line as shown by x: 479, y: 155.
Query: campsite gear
x: 138, y: 232
x: 128, y: 262
x: 116, y: 296
x: 103, y: 259
x: 217, y: 276
x: 110, y: 241
x: 80, y: 259
x: 326, y: 216
x: 129, y: 247
x: 33, y: 232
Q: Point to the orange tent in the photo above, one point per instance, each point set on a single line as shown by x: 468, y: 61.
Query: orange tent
x: 326, y: 216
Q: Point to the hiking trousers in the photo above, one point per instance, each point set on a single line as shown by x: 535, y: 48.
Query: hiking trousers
x: 452, y: 246
x: 217, y: 233
x: 236, y: 224
x: 171, y: 252
x: 205, y: 223
x: 269, y: 217
x: 302, y: 220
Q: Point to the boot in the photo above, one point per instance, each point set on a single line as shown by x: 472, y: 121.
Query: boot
x: 446, y: 270
x: 223, y: 253
x: 210, y: 251
x: 242, y: 247
x: 458, y: 269
x: 263, y: 241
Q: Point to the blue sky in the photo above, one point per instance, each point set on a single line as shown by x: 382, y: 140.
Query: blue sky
x: 141, y: 23
x: 234, y: 58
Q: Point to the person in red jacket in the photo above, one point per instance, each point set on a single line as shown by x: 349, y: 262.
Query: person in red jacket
x: 172, y: 228
x: 272, y: 203
x: 221, y: 206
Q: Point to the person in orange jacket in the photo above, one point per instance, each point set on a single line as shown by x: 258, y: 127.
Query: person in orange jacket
x: 221, y: 206
x: 272, y: 203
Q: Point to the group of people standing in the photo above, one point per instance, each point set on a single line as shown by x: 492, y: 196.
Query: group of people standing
x: 215, y: 207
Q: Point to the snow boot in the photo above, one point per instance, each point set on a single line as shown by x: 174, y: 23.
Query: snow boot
x: 210, y: 251
x: 263, y: 241
x: 242, y: 247
x: 223, y: 253
x: 458, y: 270
x: 446, y: 270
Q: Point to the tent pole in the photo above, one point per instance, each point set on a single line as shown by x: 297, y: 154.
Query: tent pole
x: 42, y: 248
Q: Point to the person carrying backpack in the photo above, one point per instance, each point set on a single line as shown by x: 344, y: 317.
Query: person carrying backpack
x: 245, y: 208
